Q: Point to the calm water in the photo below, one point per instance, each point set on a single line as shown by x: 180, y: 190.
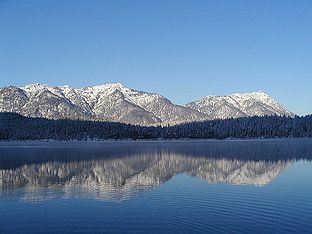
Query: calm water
x: 262, y: 186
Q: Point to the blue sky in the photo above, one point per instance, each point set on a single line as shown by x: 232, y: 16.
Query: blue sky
x: 181, y: 49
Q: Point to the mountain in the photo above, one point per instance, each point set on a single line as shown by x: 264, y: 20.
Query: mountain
x: 116, y: 102
x: 239, y: 105
x: 120, y: 103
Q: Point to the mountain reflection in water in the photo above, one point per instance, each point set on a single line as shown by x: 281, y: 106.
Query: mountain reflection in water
x: 118, y: 171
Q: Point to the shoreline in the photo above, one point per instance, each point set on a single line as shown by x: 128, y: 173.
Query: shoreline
x: 21, y: 142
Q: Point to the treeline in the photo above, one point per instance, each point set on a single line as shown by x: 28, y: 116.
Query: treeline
x: 16, y: 127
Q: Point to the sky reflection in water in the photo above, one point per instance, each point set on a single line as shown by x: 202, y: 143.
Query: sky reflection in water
x: 214, y: 186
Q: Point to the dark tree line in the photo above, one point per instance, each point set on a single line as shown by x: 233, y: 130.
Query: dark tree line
x: 16, y: 127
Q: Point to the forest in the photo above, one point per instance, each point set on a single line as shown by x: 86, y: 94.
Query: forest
x: 17, y: 127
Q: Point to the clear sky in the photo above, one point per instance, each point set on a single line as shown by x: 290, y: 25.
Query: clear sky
x: 183, y: 50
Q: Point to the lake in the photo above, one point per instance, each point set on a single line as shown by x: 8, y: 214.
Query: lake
x: 233, y: 186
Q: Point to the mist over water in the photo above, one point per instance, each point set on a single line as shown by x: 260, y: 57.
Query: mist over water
x: 184, y: 186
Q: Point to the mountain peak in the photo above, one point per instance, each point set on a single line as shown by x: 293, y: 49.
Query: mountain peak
x: 107, y: 86
x: 256, y: 94
x: 110, y: 85
x: 245, y: 95
x: 239, y: 105
x: 35, y: 86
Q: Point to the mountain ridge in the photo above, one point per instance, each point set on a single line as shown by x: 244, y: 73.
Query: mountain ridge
x: 118, y: 103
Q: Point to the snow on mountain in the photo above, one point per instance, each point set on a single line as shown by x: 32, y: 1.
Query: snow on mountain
x: 161, y: 110
x: 12, y: 99
x: 53, y: 102
x: 116, y: 102
x: 239, y: 105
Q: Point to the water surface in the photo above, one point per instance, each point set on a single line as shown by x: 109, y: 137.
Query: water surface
x: 262, y: 186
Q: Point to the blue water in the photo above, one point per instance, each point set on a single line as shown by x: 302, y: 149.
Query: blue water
x: 262, y: 186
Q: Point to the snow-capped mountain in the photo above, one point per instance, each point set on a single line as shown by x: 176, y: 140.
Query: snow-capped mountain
x: 239, y: 105
x: 116, y: 102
